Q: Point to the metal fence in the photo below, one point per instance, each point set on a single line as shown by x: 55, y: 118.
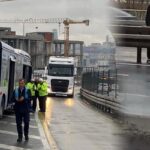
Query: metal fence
x: 100, y: 80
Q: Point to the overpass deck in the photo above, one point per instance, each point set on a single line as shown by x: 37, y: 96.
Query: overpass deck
x: 132, y: 36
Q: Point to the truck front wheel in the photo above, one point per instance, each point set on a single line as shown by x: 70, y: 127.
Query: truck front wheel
x: 71, y: 96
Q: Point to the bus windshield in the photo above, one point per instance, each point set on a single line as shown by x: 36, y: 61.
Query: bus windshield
x: 60, y: 70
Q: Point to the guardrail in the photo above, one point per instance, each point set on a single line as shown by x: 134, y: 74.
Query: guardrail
x: 105, y: 103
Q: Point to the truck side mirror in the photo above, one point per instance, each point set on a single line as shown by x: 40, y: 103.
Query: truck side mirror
x: 45, y: 78
x: 45, y: 71
x: 75, y: 71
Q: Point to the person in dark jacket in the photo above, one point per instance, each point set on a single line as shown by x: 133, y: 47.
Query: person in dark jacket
x: 21, y: 97
x: 147, y: 21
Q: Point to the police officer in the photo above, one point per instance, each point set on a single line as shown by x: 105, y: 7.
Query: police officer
x: 31, y: 85
x: 36, y: 90
x: 21, y: 97
x: 42, y: 90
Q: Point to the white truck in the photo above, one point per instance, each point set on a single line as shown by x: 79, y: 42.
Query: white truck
x: 60, y: 76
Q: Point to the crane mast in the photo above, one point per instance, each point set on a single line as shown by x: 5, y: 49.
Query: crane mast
x: 67, y: 22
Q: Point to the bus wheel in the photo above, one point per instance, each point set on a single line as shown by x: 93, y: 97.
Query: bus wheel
x: 2, y: 107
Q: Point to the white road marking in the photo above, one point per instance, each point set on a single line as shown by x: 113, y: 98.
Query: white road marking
x: 12, y: 147
x: 31, y: 126
x: 14, y: 117
x: 6, y: 122
x: 135, y: 94
x: 14, y: 133
x: 124, y: 75
x: 130, y: 64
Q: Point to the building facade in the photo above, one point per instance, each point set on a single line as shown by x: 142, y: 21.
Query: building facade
x: 41, y: 45
x: 42, y: 52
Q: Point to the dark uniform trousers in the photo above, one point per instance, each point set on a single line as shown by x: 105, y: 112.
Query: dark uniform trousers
x: 42, y: 103
x: 25, y: 118
x: 34, y: 99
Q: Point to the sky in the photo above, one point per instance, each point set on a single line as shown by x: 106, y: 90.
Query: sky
x: 94, y: 10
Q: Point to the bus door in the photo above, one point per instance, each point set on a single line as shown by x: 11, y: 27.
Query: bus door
x: 11, y: 79
x: 27, y: 72
x: 30, y: 73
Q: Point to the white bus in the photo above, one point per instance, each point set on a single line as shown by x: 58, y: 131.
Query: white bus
x: 14, y: 64
x: 60, y: 77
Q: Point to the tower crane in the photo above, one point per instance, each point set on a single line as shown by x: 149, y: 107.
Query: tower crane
x: 33, y: 21
x: 66, y: 23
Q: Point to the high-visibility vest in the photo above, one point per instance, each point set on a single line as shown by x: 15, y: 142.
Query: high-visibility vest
x: 32, y: 88
x: 42, y: 89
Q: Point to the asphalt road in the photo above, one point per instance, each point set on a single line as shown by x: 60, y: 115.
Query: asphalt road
x: 72, y: 124
x: 75, y: 125
x: 134, y: 88
x: 8, y: 134
x: 134, y: 93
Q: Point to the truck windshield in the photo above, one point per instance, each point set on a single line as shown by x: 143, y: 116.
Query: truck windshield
x: 60, y: 70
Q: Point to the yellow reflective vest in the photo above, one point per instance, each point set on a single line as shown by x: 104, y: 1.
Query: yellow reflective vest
x: 31, y: 86
x: 42, y: 88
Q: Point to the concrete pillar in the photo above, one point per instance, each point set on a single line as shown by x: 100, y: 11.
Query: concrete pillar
x: 60, y: 49
x: 17, y: 43
x: 36, y: 51
x: 29, y: 47
x: 74, y: 47
x: 139, y: 55
x: 81, y: 54
x: 56, y: 49
x: 148, y: 53
x: 79, y: 70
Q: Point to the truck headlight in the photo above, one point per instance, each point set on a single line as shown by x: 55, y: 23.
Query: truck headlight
x: 49, y: 90
x: 70, y: 90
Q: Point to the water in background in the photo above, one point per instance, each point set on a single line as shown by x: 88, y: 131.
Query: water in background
x: 134, y: 82
x: 129, y: 54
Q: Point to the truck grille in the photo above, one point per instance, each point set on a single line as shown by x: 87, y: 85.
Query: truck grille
x: 58, y: 85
